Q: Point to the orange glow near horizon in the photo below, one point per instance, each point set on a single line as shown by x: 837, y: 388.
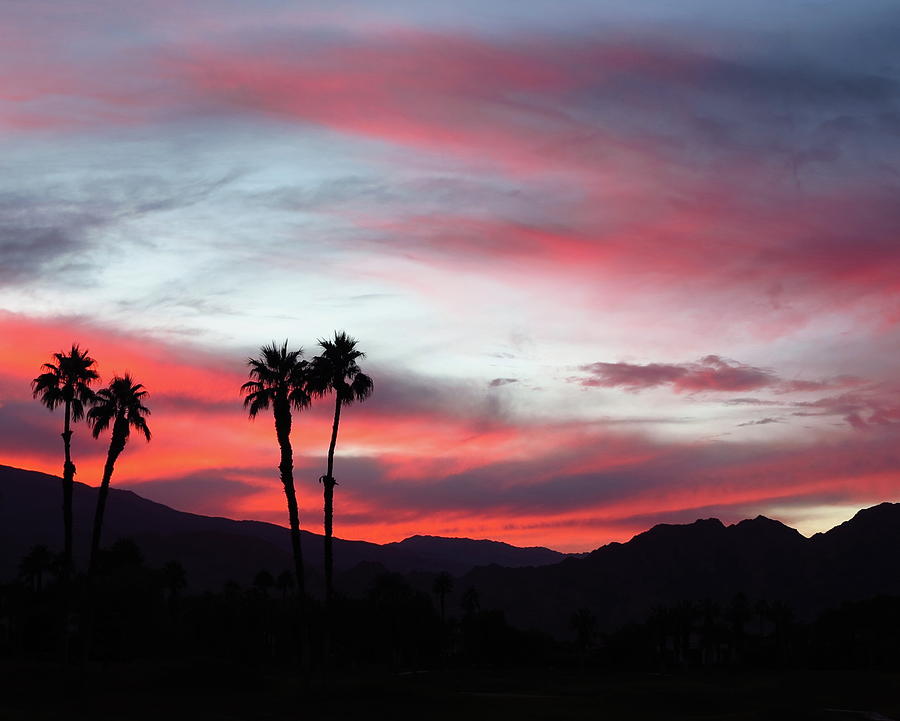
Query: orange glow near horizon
x: 387, y: 498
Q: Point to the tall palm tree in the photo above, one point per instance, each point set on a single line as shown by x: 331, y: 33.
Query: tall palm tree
x: 336, y: 370
x: 120, y: 404
x: 278, y: 378
x: 66, y: 381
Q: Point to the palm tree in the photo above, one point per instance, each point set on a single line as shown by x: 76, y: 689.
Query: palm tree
x: 470, y: 601
x: 284, y: 583
x: 336, y: 369
x: 34, y: 565
x: 443, y: 584
x: 174, y: 579
x: 67, y: 381
x: 122, y: 405
x: 278, y: 378
x: 584, y: 623
x: 264, y: 580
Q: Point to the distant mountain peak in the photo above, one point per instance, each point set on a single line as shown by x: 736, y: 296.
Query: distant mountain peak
x: 763, y: 522
x: 446, y: 550
x: 423, y: 538
x: 679, y: 529
x: 880, y: 510
x: 882, y: 519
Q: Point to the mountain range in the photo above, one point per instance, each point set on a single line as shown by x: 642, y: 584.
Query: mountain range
x: 213, y: 549
x: 535, y: 587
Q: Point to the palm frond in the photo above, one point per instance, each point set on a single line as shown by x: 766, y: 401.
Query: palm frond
x: 277, y: 373
x: 68, y: 379
x: 336, y: 370
x: 140, y: 424
x: 361, y: 387
x: 120, y: 400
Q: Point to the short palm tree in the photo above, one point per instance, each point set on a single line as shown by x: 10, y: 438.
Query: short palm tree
x: 278, y: 379
x: 66, y: 381
x: 443, y: 584
x: 34, y: 565
x: 174, y: 578
x: 120, y: 404
x: 284, y: 583
x: 336, y: 370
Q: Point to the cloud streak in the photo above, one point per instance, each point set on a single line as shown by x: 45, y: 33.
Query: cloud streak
x: 711, y: 373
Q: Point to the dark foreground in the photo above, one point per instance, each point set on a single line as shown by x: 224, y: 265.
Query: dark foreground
x: 201, y: 690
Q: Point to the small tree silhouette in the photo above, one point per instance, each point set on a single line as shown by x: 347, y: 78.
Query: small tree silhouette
x: 264, y: 580
x: 470, y: 602
x: 34, y: 565
x: 67, y: 382
x: 763, y: 611
x: 284, y: 583
x: 121, y: 405
x: 584, y: 623
x: 443, y: 584
x: 174, y: 577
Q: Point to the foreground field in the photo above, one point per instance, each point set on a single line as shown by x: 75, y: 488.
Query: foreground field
x: 202, y: 690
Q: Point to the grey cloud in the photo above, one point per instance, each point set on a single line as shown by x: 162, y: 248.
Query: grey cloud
x: 761, y: 422
x: 497, y: 382
x: 210, y: 491
x: 51, y: 228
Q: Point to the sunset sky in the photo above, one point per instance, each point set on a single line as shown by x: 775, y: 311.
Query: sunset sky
x: 613, y: 264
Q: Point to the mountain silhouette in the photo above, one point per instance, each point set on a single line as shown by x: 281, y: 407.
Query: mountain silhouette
x: 213, y: 549
x: 704, y: 560
x: 535, y: 587
x: 444, y: 553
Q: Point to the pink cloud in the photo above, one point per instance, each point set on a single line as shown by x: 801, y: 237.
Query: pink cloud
x: 711, y: 373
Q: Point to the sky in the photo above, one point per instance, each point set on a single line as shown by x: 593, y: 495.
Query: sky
x: 611, y: 264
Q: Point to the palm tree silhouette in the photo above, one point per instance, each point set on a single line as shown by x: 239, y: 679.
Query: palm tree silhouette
x: 67, y: 381
x: 584, y: 623
x: 264, y: 580
x: 336, y: 370
x: 34, y: 565
x: 443, y: 584
x: 174, y: 578
x: 278, y: 378
x: 470, y: 602
x: 122, y: 405
x: 284, y: 583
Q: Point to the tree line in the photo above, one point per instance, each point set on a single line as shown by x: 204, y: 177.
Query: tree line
x: 280, y: 380
x: 393, y: 622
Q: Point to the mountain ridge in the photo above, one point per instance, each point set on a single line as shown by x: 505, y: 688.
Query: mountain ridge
x: 620, y: 583
x: 29, y: 514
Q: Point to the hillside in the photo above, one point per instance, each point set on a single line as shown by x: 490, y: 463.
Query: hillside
x: 216, y: 549
x: 762, y: 558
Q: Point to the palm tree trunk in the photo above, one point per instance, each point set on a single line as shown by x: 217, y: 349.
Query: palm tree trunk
x: 68, y: 484
x: 329, y: 483
x: 286, y: 469
x: 116, y: 446
x: 287, y: 478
